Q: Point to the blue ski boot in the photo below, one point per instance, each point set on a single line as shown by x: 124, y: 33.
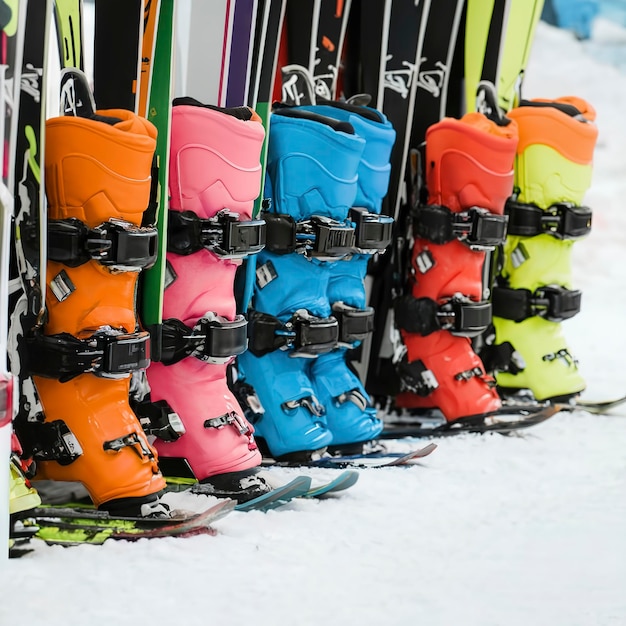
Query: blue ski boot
x: 350, y: 415
x: 312, y: 181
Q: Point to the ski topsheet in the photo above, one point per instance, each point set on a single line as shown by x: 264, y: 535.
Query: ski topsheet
x: 68, y: 17
x: 240, y: 59
x: 117, y: 68
x: 11, y: 41
x: 159, y: 112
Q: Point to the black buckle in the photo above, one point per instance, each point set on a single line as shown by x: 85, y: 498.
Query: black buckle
x: 223, y: 234
x: 551, y: 302
x: 354, y: 324
x: 159, y: 420
x: 477, y: 228
x: 131, y: 440
x: 317, y: 237
x: 227, y: 419
x: 373, y: 232
x: 562, y: 220
x: 415, y: 377
x: 64, y: 357
x: 213, y: 339
x: 51, y: 441
x: 304, y: 333
x: 425, y: 316
x: 465, y: 318
x: 113, y: 243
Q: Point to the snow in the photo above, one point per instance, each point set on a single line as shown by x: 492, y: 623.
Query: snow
x: 487, y: 531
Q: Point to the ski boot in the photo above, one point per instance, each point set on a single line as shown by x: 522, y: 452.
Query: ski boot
x: 312, y: 173
x: 350, y: 415
x: 98, y: 186
x: 533, y: 292
x: 215, y: 176
x: 22, y: 495
x: 469, y: 176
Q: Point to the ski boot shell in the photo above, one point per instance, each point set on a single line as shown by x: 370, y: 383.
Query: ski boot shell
x: 469, y: 176
x: 215, y: 176
x: 534, y: 291
x: 97, y: 177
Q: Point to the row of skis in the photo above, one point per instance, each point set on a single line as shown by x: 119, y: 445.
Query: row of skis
x: 267, y: 233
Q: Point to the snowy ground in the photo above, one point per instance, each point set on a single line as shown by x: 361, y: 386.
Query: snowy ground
x: 488, y: 531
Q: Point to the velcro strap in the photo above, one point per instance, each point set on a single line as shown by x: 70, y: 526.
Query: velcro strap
x: 213, y: 339
x: 553, y: 303
x: 51, y: 441
x: 318, y: 236
x: 354, y: 324
x: 108, y: 355
x: 223, y: 234
x: 477, y: 228
x: 159, y: 420
x: 424, y: 316
x: 415, y: 377
x: 373, y: 232
x: 116, y: 242
x: 303, y: 333
x: 562, y: 220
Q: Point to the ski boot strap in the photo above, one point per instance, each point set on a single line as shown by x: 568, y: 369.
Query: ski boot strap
x: 316, y: 237
x: 554, y: 303
x: 415, y: 377
x: 105, y: 354
x: 562, y: 220
x: 213, y: 339
x: 159, y: 420
x: 460, y: 316
x: 354, y: 324
x: 50, y: 441
x: 303, y: 333
x: 223, y: 234
x: 477, y: 228
x: 115, y: 243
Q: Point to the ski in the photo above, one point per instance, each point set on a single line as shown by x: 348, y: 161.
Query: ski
x: 344, y: 481
x: 601, y: 406
x: 377, y: 459
x: 117, y: 68
x: 497, y: 423
x: 11, y: 39
x: 278, y: 497
x: 72, y: 526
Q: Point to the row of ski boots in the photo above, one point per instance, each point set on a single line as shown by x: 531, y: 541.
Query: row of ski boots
x: 523, y: 177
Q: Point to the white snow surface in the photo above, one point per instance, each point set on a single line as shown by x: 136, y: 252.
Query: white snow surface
x: 487, y: 531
